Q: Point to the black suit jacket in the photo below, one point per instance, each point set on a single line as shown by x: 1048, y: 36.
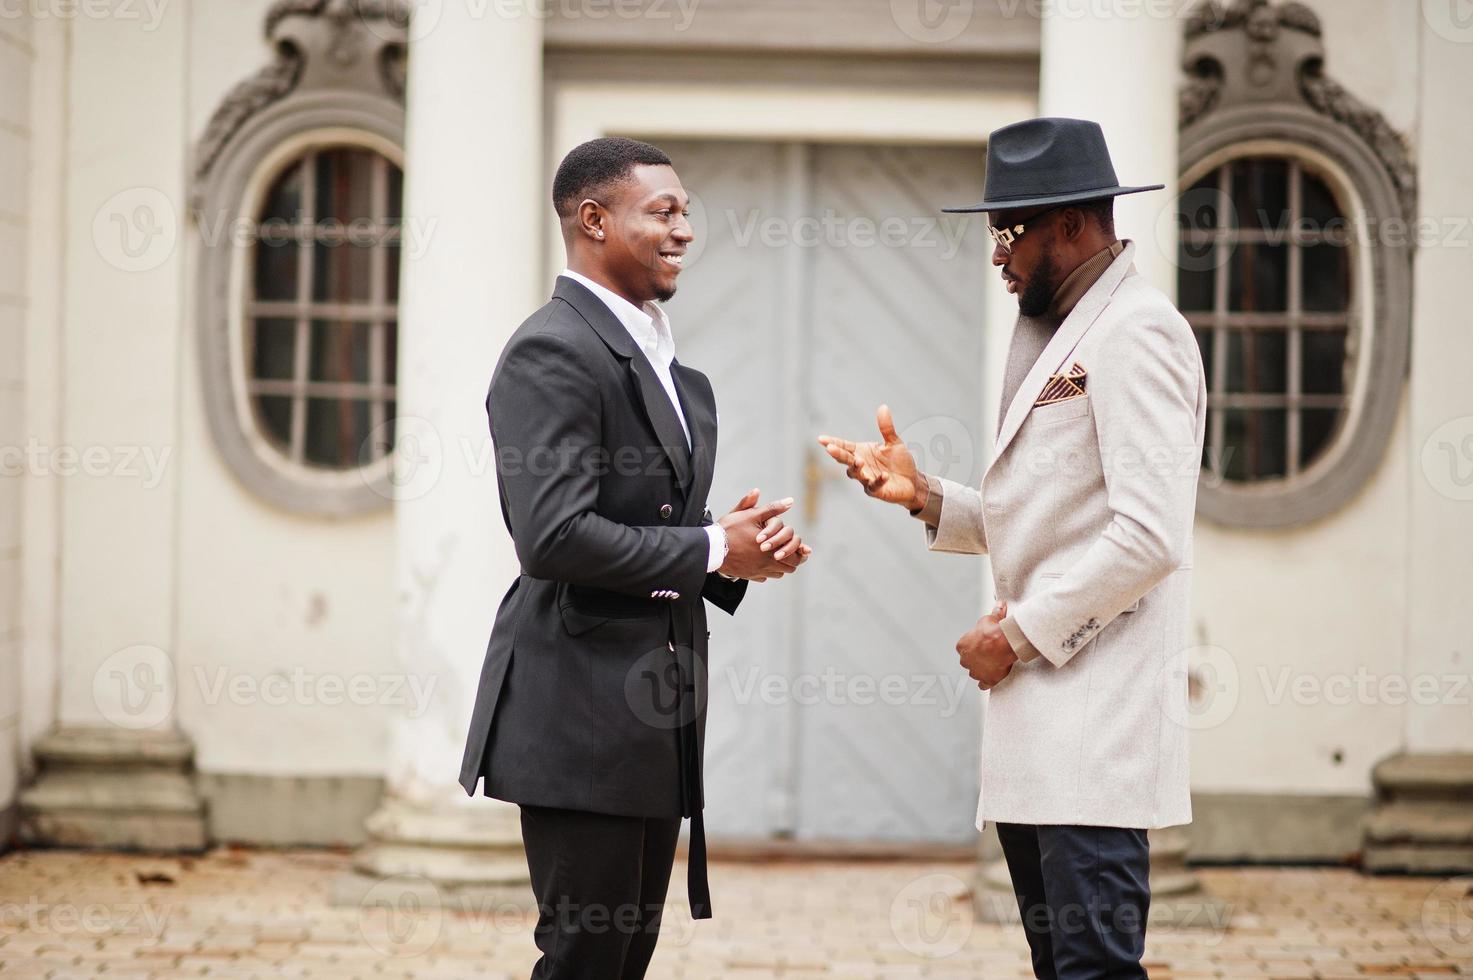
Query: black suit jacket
x: 582, y: 704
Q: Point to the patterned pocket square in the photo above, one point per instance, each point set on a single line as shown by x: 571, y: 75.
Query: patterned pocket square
x: 1062, y: 387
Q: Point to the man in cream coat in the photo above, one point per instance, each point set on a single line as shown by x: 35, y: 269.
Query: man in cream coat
x: 1086, y: 513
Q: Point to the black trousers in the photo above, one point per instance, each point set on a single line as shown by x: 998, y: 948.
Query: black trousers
x: 1084, y: 894
x: 600, y: 884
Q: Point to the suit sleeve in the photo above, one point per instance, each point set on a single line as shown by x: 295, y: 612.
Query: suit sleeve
x: 953, y: 518
x: 722, y: 593
x: 546, y: 422
x: 1146, y: 385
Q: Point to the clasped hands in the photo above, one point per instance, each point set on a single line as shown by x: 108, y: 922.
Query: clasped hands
x: 887, y: 471
x: 759, y: 545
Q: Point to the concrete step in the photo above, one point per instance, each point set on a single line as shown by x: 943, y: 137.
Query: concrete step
x: 1430, y: 776
x: 1421, y: 822
x: 464, y: 827
x: 76, y: 789
x: 108, y: 748
x: 1417, y: 859
x: 114, y: 789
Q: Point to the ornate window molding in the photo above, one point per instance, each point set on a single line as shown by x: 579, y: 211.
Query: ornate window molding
x: 337, y: 80
x: 1256, y: 87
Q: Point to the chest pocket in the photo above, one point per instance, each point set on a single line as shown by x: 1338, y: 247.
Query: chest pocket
x: 1070, y: 408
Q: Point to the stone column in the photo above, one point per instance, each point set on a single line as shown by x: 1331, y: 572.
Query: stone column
x: 1423, y: 821
x: 106, y: 263
x: 1082, y: 75
x: 474, y: 183
x: 1122, y: 69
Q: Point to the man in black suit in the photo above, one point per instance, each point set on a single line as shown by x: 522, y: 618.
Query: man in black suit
x: 590, y: 709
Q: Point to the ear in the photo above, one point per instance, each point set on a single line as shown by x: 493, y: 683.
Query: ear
x: 593, y: 220
x: 1072, y: 223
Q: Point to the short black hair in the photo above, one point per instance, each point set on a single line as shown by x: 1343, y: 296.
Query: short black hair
x: 590, y: 169
x: 1101, y: 211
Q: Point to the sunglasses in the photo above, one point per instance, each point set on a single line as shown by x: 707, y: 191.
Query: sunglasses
x: 1006, y: 236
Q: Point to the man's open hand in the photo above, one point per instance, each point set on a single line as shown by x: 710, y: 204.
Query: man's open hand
x: 885, y: 469
x: 985, y: 651
x: 759, y: 545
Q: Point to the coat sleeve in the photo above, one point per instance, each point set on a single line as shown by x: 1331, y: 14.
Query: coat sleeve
x: 721, y: 592
x: 545, y: 413
x: 959, y: 528
x: 1146, y: 385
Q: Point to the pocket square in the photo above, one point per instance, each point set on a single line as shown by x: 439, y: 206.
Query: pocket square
x: 1062, y: 387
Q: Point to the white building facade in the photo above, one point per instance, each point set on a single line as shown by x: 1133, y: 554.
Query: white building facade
x: 257, y: 261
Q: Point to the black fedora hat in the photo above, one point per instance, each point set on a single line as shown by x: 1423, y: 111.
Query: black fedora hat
x: 1048, y: 161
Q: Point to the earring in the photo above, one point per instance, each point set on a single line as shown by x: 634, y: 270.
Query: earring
x: 600, y: 234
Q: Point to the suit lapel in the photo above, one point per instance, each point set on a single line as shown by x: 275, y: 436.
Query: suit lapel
x: 700, y: 414
x: 652, y: 395
x: 1065, y: 339
x: 662, y: 416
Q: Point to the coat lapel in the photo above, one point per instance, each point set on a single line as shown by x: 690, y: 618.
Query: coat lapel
x: 1065, y: 339
x: 653, y: 399
x: 699, y: 405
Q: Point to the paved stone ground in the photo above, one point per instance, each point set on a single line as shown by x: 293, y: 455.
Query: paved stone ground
x: 245, y: 913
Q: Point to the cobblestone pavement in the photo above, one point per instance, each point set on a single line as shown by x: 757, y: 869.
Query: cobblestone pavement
x: 246, y: 913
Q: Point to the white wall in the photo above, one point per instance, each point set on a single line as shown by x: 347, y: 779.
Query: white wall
x: 1294, y: 615
x: 263, y: 592
x: 172, y: 562
x: 1439, y: 634
x: 15, y: 77
x: 119, y: 336
x: 201, y: 569
x: 1353, y: 602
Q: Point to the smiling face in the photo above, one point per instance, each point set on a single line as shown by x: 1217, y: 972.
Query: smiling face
x: 647, y: 234
x: 1031, y: 270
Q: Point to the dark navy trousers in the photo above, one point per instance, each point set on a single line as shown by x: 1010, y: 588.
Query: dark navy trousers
x: 1084, y: 894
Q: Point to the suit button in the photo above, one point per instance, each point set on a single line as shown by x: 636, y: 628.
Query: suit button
x: 666, y: 510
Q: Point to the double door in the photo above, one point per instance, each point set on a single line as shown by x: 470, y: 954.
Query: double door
x: 824, y: 281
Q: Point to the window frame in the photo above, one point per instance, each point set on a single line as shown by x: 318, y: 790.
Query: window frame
x: 1380, y: 303
x: 230, y: 196
x: 287, y: 154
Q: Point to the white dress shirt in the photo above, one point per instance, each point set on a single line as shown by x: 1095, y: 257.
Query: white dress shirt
x: 650, y: 328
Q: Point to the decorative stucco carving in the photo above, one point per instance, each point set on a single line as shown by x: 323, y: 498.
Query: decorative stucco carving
x: 353, y: 45
x: 1257, y: 51
x: 337, y: 68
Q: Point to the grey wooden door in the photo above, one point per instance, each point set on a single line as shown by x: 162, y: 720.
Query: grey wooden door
x: 824, y: 281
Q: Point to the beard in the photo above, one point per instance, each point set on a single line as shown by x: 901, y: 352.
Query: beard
x: 1038, y: 295
x: 664, y: 293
